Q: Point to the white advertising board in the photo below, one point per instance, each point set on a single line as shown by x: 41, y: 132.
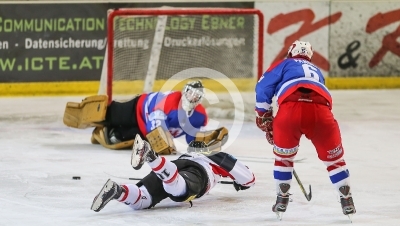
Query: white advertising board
x: 350, y: 39
x: 366, y: 40
x: 287, y: 22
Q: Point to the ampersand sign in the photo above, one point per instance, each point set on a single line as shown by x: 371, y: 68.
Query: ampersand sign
x: 351, y: 61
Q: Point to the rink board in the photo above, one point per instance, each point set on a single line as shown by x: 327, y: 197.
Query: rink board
x: 242, y: 85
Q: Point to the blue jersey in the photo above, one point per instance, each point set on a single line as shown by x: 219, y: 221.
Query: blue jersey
x: 285, y: 77
x: 164, y: 109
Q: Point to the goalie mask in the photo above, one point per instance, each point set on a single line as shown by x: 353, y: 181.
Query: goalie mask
x: 192, y: 95
x: 300, y: 50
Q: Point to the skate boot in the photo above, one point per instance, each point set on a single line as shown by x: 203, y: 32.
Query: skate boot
x: 110, y: 191
x: 141, y: 152
x: 347, y: 201
x: 113, y: 136
x: 282, y: 200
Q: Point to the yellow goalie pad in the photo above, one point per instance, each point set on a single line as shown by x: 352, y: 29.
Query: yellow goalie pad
x: 161, y: 141
x: 213, y: 136
x: 209, y: 142
x: 88, y: 113
x: 99, y: 137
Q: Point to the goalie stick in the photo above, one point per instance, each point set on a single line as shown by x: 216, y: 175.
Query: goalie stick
x: 309, y: 195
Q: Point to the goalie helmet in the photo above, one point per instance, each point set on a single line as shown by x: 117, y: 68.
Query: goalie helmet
x: 192, y: 95
x: 301, y: 50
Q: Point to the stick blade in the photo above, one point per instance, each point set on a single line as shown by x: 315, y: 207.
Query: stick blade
x: 225, y: 182
x: 309, y: 196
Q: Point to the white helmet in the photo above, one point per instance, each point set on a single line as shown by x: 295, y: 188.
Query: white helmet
x: 301, y: 50
x: 192, y: 95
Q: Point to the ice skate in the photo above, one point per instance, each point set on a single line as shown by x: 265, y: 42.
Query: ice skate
x: 282, y: 200
x: 110, y: 191
x: 346, y: 200
x: 141, y: 152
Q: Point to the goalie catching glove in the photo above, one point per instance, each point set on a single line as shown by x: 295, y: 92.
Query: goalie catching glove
x: 264, y: 121
x: 202, y: 148
x: 209, y: 142
x: 205, y: 142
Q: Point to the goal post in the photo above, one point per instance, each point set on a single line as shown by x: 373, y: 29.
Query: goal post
x: 147, y: 46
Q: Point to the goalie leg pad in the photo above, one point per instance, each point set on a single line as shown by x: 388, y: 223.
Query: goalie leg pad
x: 99, y: 136
x: 93, y: 138
x: 161, y: 141
x: 90, y: 112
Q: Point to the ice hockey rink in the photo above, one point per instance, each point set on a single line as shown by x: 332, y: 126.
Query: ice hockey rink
x: 39, y: 156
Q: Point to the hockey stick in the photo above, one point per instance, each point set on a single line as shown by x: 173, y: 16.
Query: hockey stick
x: 225, y: 182
x: 221, y: 182
x: 309, y: 195
x: 261, y: 159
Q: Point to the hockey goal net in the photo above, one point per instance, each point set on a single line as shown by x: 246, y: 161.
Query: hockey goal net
x: 148, y: 46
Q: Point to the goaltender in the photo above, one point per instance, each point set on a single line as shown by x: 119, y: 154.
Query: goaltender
x: 156, y: 117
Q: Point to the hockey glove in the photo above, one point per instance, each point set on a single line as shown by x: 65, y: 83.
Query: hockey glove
x: 264, y: 121
x: 270, y: 137
x: 239, y: 186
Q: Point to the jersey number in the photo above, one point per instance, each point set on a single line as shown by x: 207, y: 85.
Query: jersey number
x: 155, y: 123
x: 164, y: 174
x: 310, y: 71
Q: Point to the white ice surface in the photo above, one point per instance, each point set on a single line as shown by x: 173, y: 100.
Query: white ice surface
x: 39, y: 156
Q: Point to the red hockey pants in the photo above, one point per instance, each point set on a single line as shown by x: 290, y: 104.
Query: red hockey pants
x: 315, y: 121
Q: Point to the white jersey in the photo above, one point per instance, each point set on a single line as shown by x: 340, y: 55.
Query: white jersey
x: 222, y: 165
x: 217, y: 166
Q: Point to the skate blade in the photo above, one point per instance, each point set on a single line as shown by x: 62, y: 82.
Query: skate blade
x: 350, y: 216
x: 279, y: 215
x: 98, y: 200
